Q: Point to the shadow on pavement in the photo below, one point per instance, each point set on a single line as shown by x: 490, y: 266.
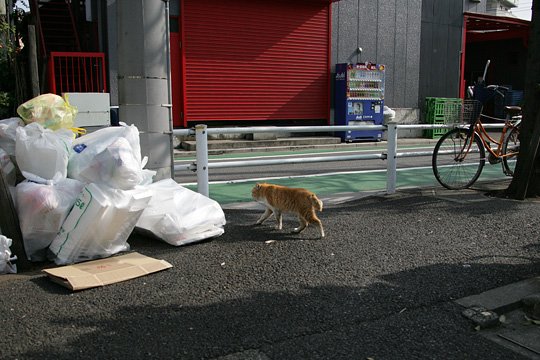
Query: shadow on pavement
x: 407, y: 314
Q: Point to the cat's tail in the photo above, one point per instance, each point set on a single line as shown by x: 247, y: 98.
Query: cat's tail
x: 318, y: 204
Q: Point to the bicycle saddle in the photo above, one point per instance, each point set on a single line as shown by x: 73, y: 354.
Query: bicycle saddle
x: 513, y: 110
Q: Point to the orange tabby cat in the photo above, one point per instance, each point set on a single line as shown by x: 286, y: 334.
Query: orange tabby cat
x: 278, y: 199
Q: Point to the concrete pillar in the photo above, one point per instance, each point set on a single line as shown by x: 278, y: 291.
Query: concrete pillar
x: 143, y: 78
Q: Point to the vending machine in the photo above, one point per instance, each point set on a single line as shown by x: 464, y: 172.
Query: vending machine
x: 359, y: 99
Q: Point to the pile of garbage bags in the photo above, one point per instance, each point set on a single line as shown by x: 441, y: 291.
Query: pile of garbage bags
x: 81, y: 197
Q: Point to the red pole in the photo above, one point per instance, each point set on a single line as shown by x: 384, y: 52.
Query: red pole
x: 462, y: 62
x: 52, y: 75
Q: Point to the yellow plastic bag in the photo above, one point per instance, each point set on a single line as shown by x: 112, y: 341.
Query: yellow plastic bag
x: 50, y: 110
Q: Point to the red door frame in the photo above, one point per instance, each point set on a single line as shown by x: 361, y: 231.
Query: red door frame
x: 329, y: 67
x: 514, y: 28
x: 462, y: 61
x: 178, y: 80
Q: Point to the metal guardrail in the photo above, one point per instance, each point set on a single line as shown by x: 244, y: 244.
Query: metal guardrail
x: 201, y: 164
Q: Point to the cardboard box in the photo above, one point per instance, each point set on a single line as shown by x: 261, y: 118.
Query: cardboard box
x: 107, y: 271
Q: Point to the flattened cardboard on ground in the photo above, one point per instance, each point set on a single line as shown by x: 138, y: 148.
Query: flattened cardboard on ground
x: 107, y: 271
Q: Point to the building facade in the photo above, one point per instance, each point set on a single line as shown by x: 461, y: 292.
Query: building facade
x: 262, y: 62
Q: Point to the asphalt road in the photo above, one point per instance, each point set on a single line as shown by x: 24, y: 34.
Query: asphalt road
x: 381, y: 285
x: 285, y: 170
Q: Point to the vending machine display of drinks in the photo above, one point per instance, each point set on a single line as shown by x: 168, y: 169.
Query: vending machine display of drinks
x: 359, y: 99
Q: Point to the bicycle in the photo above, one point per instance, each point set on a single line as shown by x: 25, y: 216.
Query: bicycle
x: 460, y: 154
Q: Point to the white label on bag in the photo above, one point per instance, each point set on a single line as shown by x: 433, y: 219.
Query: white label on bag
x: 84, y: 212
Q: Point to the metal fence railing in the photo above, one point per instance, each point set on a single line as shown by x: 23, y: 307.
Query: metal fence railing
x: 201, y: 165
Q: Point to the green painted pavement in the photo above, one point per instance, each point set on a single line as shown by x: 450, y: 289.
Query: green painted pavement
x: 324, y: 185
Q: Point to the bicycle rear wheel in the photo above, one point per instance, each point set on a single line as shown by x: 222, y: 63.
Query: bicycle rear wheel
x: 457, y: 163
x: 510, y: 151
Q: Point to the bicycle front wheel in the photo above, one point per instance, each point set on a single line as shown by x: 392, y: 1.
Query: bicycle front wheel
x: 510, y: 151
x: 458, y: 160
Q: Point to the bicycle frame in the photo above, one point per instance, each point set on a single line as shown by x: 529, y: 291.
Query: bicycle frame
x: 486, y: 139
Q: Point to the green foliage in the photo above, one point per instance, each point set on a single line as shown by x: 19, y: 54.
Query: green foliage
x: 7, y: 87
x: 7, y: 33
x: 5, y: 74
x: 6, y: 104
x: 8, y: 51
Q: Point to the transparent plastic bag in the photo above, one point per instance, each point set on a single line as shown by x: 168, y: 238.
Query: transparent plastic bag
x: 180, y: 216
x: 42, y: 208
x: 6, y: 267
x: 8, y: 132
x: 50, y: 110
x: 110, y: 156
x: 111, y: 214
x: 8, y: 168
x: 43, y: 154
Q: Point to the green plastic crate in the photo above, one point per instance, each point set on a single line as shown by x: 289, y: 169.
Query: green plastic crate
x: 442, y: 110
x: 434, y: 133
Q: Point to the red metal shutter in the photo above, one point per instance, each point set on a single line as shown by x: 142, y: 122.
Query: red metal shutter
x: 256, y: 59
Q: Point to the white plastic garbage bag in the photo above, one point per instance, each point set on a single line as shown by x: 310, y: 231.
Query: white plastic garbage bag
x: 42, y: 208
x: 99, y: 224
x: 110, y: 156
x: 6, y: 267
x: 43, y: 154
x: 8, y: 131
x: 388, y: 114
x: 8, y: 168
x: 147, y: 175
x: 180, y: 216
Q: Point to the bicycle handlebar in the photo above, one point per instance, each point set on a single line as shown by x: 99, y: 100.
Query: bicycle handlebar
x: 493, y: 90
x: 497, y: 87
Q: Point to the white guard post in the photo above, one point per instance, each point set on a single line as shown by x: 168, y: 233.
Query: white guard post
x: 201, y: 136
x: 391, y: 160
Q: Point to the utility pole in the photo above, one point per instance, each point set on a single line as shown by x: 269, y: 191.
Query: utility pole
x: 526, y: 181
x: 32, y: 60
x: 143, y: 78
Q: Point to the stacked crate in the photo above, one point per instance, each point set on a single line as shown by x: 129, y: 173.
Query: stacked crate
x: 514, y: 97
x: 441, y: 111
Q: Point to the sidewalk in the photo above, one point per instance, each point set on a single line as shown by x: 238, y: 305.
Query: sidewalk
x: 390, y: 281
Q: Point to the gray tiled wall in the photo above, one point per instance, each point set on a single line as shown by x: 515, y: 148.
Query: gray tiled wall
x: 388, y: 33
x: 442, y: 23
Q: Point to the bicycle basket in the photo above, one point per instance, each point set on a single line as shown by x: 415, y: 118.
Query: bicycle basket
x: 470, y: 111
